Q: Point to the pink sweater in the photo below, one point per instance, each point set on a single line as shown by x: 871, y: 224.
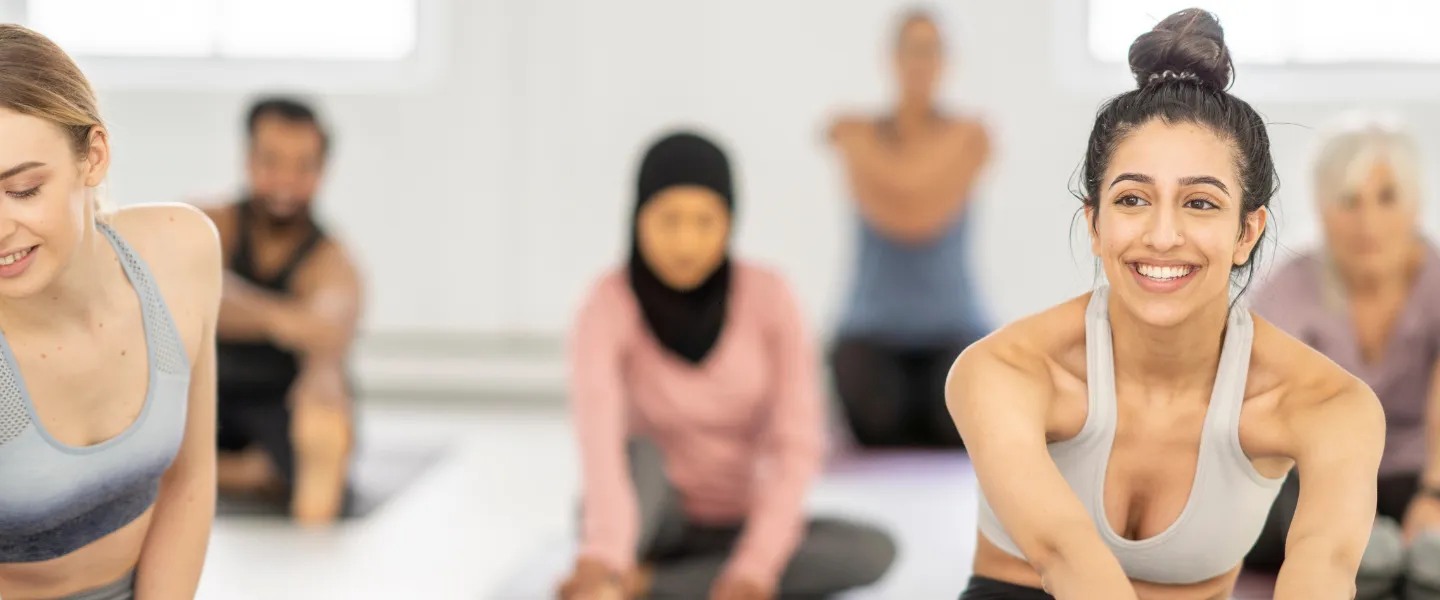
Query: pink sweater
x: 742, y: 432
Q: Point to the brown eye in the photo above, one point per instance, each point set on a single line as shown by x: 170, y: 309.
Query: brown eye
x: 1130, y: 200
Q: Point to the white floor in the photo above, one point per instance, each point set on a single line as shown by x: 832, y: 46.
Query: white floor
x: 506, y: 493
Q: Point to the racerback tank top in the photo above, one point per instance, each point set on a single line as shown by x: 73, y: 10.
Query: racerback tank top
x: 1229, y: 499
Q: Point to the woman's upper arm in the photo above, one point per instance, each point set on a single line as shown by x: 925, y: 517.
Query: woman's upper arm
x: 596, y: 382
x: 798, y: 421
x: 610, y: 525
x: 1000, y: 406
x: 201, y: 265
x: 1338, y: 442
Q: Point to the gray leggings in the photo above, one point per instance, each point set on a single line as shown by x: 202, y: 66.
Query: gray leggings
x: 687, y: 557
x: 120, y: 589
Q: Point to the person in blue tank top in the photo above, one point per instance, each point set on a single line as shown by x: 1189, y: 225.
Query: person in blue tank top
x: 291, y: 307
x: 913, y: 304
x: 107, y: 355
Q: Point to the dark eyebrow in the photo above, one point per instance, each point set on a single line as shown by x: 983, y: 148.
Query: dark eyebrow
x: 20, y: 168
x: 1184, y: 181
x: 1136, y: 177
x: 1205, y: 179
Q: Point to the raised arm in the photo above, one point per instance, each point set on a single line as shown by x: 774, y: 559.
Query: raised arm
x: 999, y: 399
x: 1337, y: 446
x: 913, y: 195
x: 610, y: 512
x: 319, y: 321
x: 173, y: 554
x: 792, y: 450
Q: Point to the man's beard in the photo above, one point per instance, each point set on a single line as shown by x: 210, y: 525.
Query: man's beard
x: 297, y: 218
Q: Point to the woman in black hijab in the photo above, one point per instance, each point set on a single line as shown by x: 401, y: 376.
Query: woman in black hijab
x: 685, y: 321
x: 696, y: 396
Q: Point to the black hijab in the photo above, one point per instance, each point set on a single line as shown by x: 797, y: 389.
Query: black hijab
x: 687, y: 323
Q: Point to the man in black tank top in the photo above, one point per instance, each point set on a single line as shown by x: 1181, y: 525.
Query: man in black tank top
x: 287, y: 320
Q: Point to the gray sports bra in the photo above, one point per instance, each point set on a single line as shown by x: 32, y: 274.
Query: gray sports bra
x: 57, y: 498
x: 1229, y: 499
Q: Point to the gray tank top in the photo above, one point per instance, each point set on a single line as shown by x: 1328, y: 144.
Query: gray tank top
x: 58, y: 498
x: 1229, y: 499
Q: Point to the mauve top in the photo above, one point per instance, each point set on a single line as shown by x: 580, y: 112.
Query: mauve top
x: 1294, y: 299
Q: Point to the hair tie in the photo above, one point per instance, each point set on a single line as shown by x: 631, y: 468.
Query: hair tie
x: 1178, y: 76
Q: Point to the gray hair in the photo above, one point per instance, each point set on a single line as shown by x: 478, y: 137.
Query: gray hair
x: 1353, y: 144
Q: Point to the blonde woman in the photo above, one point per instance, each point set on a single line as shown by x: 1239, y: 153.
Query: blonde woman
x: 107, y: 356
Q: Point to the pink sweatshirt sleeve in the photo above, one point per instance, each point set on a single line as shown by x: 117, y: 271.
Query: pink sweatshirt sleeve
x: 610, y: 520
x: 792, y: 451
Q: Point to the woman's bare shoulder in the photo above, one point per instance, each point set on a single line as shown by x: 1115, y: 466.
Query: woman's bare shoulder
x: 177, y: 241
x: 1036, y: 345
x: 1029, y: 373
x: 1293, y: 383
x: 1285, y: 367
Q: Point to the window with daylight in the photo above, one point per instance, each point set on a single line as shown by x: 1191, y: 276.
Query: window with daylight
x: 1284, y: 32
x: 372, y: 30
x: 204, y: 45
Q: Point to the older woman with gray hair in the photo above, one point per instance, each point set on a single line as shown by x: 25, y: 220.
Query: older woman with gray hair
x: 1369, y: 299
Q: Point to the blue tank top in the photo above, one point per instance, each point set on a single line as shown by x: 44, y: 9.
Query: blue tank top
x: 56, y: 498
x: 915, y: 293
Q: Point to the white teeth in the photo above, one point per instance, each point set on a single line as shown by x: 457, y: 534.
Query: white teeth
x: 5, y: 260
x: 1164, y: 273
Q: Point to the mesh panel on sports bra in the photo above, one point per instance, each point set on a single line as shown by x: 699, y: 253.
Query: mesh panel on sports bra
x: 169, y: 353
x: 14, y: 416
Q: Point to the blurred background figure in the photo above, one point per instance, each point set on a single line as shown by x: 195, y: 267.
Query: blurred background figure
x: 695, y: 392
x: 1369, y: 298
x: 913, y: 304
x: 291, y: 304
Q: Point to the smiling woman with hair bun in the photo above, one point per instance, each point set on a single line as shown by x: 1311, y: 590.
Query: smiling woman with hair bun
x: 1129, y: 442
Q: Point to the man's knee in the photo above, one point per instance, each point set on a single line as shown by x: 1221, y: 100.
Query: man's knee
x: 320, y: 430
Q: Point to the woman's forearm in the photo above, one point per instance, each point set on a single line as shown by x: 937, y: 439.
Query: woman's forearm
x: 1315, y: 574
x: 1081, y: 567
x: 174, y: 550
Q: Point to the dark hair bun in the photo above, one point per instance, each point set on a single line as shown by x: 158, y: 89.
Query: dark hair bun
x: 1188, y: 45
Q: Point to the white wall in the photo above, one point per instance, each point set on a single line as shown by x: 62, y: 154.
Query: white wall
x: 490, y: 201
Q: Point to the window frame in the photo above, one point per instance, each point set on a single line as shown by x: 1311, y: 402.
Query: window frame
x: 421, y: 68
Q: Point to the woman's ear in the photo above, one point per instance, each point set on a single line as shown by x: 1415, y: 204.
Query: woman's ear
x: 97, y: 157
x: 1252, y: 229
x: 1092, y: 227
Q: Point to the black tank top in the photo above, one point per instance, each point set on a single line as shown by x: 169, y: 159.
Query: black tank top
x: 259, y: 371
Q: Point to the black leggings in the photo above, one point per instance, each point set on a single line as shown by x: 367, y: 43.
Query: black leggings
x: 264, y: 422
x: 1393, y: 495
x: 984, y: 588
x: 895, y: 396
x: 256, y: 422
